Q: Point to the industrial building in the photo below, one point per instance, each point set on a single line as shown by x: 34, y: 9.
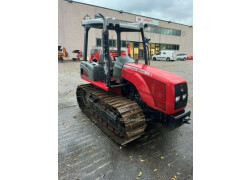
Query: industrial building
x: 163, y: 34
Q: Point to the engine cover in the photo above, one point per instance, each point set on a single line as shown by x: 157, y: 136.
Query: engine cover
x: 155, y: 86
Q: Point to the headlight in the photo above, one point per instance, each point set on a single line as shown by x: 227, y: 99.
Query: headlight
x: 177, y: 98
x: 184, y: 96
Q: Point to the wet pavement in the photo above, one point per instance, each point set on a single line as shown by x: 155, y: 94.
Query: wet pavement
x: 85, y: 152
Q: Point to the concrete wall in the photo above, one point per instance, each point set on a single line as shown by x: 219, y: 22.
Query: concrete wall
x: 70, y: 31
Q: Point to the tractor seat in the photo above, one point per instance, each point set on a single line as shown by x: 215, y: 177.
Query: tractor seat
x: 120, y: 61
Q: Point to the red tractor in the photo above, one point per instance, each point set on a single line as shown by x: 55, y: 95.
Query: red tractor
x: 95, y: 53
x: 123, y: 96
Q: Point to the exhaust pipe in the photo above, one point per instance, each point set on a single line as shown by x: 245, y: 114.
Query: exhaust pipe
x: 105, y: 46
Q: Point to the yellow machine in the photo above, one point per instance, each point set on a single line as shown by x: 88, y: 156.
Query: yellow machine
x: 62, y: 53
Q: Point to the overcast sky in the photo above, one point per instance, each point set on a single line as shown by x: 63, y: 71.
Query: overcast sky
x: 180, y: 11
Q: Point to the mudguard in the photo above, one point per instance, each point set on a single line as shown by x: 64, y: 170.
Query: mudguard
x: 140, y: 84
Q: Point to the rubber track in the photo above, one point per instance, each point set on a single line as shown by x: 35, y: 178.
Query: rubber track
x: 130, y: 115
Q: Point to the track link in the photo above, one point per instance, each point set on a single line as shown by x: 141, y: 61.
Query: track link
x: 120, y: 118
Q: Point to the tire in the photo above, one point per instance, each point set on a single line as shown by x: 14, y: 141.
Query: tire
x: 184, y: 59
x: 154, y: 59
x: 168, y: 59
x: 94, y: 60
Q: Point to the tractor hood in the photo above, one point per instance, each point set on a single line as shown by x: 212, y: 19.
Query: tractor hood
x: 157, y: 88
x: 156, y: 73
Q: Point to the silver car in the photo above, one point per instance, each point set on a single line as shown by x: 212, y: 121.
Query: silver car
x: 181, y: 56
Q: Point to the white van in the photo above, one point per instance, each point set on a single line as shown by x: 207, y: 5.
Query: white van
x: 166, y: 55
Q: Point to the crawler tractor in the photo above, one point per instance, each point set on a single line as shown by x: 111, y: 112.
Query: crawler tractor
x: 124, y: 96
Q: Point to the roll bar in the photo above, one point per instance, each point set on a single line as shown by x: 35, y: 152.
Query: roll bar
x: 106, y: 24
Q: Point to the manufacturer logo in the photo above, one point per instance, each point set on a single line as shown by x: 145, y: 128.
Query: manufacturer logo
x: 136, y: 69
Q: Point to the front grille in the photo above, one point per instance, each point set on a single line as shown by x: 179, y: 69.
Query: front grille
x: 180, y: 90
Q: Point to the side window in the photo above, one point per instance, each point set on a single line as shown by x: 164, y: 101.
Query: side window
x: 110, y: 43
x: 159, y: 53
x: 164, y: 53
x: 124, y: 44
x: 98, y: 42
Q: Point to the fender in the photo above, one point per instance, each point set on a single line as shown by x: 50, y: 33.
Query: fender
x: 140, y: 84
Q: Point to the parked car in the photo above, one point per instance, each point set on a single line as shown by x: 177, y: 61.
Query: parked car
x: 181, y: 56
x: 166, y: 55
x: 190, y: 58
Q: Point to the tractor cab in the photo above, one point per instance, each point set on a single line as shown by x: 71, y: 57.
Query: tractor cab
x: 106, y: 73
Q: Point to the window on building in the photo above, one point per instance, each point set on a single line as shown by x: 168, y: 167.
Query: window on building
x: 161, y: 30
x: 112, y: 43
x: 157, y: 48
x: 136, y: 44
x: 124, y: 44
x: 178, y: 33
x: 152, y: 49
x: 169, y: 46
x: 164, y: 31
x: 171, y: 32
x: 163, y: 46
x: 131, y: 44
x: 98, y: 42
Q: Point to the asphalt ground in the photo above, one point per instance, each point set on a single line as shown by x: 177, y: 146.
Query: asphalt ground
x: 85, y: 152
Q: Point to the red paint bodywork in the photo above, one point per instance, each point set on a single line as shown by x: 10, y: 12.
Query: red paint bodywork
x: 95, y: 56
x: 190, y: 58
x: 79, y: 55
x: 156, y: 86
x: 113, y: 53
x: 99, y: 84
